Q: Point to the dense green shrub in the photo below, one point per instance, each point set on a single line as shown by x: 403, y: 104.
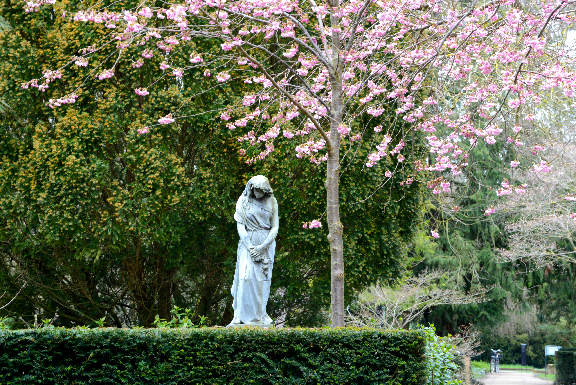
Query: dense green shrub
x: 211, y: 356
x: 441, y: 366
x: 565, y: 367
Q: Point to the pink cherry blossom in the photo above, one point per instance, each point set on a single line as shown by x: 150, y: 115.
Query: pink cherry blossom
x: 520, y: 190
x: 227, y: 46
x: 195, y: 59
x: 314, y: 224
x: 106, y: 74
x: 514, y: 103
x: 324, y: 74
x: 141, y: 91
x: 54, y: 103
x: 485, y: 67
x: 375, y: 111
x: 302, y: 71
x: 34, y: 6
x: 222, y: 77
x: 537, y: 148
x: 343, y: 129
x: 249, y: 100
x: 80, y: 61
x: 146, y: 12
x: 291, y: 52
x: 172, y: 40
x: 543, y: 166
x: 490, y: 139
x: 166, y: 119
x: 503, y: 191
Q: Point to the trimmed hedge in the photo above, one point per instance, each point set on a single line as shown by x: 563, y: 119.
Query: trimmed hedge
x: 565, y: 366
x: 211, y: 356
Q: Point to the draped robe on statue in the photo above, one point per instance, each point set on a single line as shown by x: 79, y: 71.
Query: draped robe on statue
x: 251, y: 286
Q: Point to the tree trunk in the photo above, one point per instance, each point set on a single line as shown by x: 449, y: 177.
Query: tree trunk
x: 335, y: 228
x: 166, y: 281
x: 335, y: 231
x: 467, y: 372
x: 133, y: 266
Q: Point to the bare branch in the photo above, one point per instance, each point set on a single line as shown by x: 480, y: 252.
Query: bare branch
x: 13, y: 298
x: 399, y: 307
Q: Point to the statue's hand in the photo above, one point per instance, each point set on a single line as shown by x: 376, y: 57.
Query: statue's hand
x: 260, y: 249
x: 255, y: 254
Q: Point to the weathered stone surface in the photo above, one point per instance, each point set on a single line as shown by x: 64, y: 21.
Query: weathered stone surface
x: 257, y: 223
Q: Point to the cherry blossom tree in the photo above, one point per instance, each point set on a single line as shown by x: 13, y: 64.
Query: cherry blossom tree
x: 454, y: 71
x: 541, y: 223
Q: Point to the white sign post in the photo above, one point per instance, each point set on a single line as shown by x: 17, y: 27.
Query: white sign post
x: 549, y: 350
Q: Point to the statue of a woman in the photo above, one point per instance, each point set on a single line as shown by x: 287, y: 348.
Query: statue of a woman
x: 257, y: 222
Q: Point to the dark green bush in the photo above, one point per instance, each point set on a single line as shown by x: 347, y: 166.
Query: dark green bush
x: 565, y: 367
x: 211, y: 356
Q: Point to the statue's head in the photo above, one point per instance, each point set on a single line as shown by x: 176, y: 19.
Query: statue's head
x: 258, y: 187
x: 258, y: 193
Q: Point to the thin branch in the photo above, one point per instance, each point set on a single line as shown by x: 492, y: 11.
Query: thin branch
x: 312, y: 40
x: 320, y: 27
x: 13, y: 298
x: 354, y: 25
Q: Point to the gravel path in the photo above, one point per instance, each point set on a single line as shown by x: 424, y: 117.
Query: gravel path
x: 514, y: 377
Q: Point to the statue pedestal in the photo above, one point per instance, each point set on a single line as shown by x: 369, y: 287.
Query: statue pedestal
x: 251, y: 325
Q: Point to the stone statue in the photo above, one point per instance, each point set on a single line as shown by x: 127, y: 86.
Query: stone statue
x: 257, y: 222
